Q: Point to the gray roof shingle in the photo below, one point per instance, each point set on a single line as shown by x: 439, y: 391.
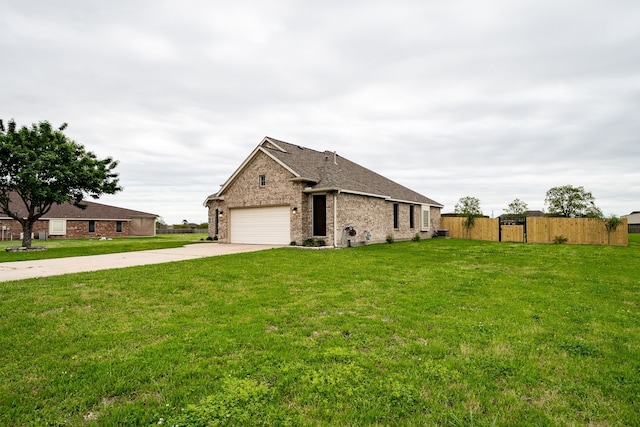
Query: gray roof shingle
x: 343, y: 174
x: 93, y: 211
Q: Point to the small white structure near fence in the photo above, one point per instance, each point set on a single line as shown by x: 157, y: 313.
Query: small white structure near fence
x: 633, y: 219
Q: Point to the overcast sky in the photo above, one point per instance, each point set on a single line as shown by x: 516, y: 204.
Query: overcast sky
x: 496, y: 99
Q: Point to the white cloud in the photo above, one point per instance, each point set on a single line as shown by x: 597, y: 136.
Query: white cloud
x: 496, y: 99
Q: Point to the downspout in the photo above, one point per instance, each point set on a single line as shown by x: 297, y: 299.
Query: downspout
x: 335, y: 219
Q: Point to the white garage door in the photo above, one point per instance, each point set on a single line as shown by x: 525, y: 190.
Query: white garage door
x: 269, y: 225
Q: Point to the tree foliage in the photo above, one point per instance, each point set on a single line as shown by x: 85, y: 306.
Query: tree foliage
x: 517, y: 207
x: 611, y: 224
x: 571, y: 202
x: 469, y: 207
x: 40, y: 166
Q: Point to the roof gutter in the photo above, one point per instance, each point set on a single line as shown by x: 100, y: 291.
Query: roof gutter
x: 310, y: 190
x: 303, y: 179
x: 415, y: 202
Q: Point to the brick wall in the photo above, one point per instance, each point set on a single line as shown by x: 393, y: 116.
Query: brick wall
x: 80, y: 229
x: 435, y: 220
x: 75, y: 229
x: 14, y: 229
x: 375, y: 216
x: 246, y: 191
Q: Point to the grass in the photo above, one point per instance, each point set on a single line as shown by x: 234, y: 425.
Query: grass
x: 436, y: 332
x: 63, y: 248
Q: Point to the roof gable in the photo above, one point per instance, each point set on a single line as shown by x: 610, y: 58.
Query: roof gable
x: 268, y: 147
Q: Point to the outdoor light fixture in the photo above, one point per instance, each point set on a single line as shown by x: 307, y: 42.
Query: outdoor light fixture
x: 295, y: 209
x: 220, y: 214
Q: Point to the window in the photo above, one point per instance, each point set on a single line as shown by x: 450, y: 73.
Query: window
x: 425, y: 218
x: 412, y: 219
x: 396, y: 217
x: 57, y: 227
x: 263, y: 180
x: 92, y: 226
x: 118, y: 226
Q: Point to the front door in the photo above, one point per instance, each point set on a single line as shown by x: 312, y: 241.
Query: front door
x: 320, y: 215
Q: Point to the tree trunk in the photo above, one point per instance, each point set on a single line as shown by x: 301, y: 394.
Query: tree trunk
x: 27, y: 227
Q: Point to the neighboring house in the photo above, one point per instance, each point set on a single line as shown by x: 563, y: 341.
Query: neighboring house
x: 535, y: 214
x: 633, y: 220
x: 284, y: 193
x: 528, y: 214
x: 68, y: 221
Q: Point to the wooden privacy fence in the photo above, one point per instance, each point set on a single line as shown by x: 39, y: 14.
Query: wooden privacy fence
x: 589, y: 231
x: 483, y: 228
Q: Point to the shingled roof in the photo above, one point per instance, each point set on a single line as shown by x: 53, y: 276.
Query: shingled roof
x: 94, y: 211
x: 327, y: 171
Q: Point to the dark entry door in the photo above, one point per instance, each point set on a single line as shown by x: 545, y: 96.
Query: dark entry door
x: 320, y: 215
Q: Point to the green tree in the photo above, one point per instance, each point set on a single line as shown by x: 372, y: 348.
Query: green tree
x: 40, y: 166
x: 571, y: 202
x: 517, y: 208
x: 469, y: 207
x: 611, y: 224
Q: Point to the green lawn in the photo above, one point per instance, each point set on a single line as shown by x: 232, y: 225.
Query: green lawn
x: 63, y: 248
x: 438, y: 332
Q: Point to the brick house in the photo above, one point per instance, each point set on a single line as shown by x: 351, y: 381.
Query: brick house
x: 284, y: 193
x: 68, y: 221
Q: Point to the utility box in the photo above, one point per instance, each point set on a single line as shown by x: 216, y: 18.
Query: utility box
x: 42, y: 235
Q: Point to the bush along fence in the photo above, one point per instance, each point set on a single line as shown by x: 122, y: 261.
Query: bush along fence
x: 588, y: 231
x: 181, y: 230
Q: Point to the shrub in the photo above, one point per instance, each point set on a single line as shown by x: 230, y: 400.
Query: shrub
x: 390, y: 238
x: 559, y: 240
x: 417, y: 237
x: 314, y: 242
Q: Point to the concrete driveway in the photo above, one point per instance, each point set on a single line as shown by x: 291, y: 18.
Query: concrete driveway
x: 52, y: 267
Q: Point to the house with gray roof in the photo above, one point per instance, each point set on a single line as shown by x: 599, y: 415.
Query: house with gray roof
x: 68, y: 221
x: 633, y: 220
x: 285, y: 193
